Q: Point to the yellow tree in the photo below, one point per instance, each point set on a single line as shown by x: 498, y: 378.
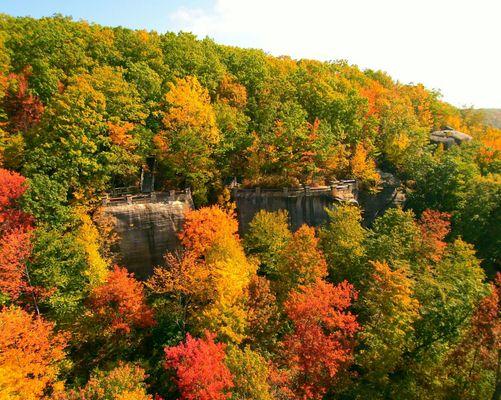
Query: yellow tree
x: 363, y: 167
x: 190, y: 133
x: 30, y: 355
x: 301, y: 262
x: 213, y: 275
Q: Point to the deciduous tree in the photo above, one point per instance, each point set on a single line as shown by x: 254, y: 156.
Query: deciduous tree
x: 320, y: 347
x: 30, y: 355
x: 201, y: 372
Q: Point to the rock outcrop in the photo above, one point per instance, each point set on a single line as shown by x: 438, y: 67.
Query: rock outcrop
x: 449, y: 137
x: 391, y: 194
x: 147, y: 225
x: 305, y: 205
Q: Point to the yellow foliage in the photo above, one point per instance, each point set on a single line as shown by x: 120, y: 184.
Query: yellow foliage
x: 190, y: 108
x: 119, y: 134
x: 89, y: 238
x: 30, y: 355
x: 363, y: 167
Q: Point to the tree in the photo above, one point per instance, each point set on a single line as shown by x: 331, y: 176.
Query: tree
x: 125, y: 381
x: 478, y: 219
x: 301, y: 262
x: 474, y: 364
x: 320, y: 347
x: 201, y: 373
x: 250, y: 374
x: 31, y: 354
x: 394, y: 237
x: 214, y: 259
x: 388, y: 310
x: 119, y: 305
x: 435, y: 226
x: 263, y: 314
x: 342, y: 241
x: 363, y: 168
x: 15, y: 238
x: 74, y: 141
x: 266, y: 238
x: 186, y: 144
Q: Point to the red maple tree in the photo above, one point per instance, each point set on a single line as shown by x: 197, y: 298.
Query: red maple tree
x: 435, y: 226
x: 200, y: 368
x: 119, y: 304
x: 322, y: 340
x: 15, y: 236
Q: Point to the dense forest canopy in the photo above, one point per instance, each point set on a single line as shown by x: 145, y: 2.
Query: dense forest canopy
x: 400, y: 310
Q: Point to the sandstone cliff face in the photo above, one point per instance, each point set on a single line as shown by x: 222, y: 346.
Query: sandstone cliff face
x: 148, y: 228
x: 304, y: 205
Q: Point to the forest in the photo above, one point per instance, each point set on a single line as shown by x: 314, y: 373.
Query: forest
x: 406, y: 308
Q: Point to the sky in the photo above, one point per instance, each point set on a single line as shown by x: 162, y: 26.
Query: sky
x: 453, y: 46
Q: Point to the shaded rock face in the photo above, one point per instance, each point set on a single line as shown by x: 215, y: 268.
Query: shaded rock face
x: 390, y: 195
x: 308, y: 206
x: 148, y: 227
x: 304, y: 205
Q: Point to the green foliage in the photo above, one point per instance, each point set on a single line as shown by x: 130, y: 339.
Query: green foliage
x: 58, y: 265
x: 267, y: 236
x: 46, y: 200
x: 342, y: 241
x: 250, y: 374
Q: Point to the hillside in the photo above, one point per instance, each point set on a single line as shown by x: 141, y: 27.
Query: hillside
x: 492, y: 116
x: 115, y: 140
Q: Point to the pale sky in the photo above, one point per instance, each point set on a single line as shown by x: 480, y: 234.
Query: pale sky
x: 450, y: 45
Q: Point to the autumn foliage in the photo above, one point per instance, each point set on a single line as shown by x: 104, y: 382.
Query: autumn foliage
x: 435, y: 226
x: 15, y: 236
x: 119, y: 304
x: 321, y: 344
x: 30, y: 355
x: 200, y: 370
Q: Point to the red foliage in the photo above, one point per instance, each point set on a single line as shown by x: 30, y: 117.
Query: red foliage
x: 12, y: 187
x: 120, y: 303
x: 435, y: 226
x: 15, y: 235
x: 15, y: 248
x: 24, y: 109
x: 322, y: 341
x: 200, y: 369
x: 483, y: 338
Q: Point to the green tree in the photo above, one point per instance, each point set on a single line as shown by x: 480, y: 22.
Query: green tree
x: 267, y: 236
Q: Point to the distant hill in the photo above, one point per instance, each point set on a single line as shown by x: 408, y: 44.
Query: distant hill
x: 492, y: 116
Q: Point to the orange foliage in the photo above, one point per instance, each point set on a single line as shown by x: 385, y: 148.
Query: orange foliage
x: 30, y: 354
x: 232, y: 92
x: 24, y: 109
x: 375, y: 93
x: 200, y: 369
x: 15, y: 248
x: 205, y: 227
x: 321, y: 343
x: 435, y: 226
x: 120, y: 303
x: 119, y: 134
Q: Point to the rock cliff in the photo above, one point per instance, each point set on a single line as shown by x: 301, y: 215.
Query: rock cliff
x: 148, y: 226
